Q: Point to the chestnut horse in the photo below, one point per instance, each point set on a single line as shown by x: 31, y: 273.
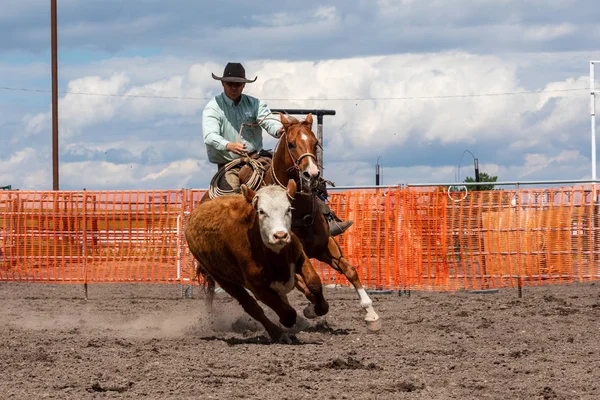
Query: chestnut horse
x: 295, y: 159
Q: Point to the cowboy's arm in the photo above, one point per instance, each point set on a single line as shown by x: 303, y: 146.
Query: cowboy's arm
x: 211, y: 129
x: 271, y: 122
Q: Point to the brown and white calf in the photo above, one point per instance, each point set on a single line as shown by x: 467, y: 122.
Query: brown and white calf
x: 245, y: 241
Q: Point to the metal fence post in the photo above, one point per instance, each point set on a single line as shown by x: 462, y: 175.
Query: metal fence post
x: 320, y: 139
x: 518, y: 207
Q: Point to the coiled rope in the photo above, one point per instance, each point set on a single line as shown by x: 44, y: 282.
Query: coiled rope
x: 253, y: 182
x: 257, y: 168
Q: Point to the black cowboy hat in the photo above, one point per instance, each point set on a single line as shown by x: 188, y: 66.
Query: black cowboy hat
x: 234, y: 72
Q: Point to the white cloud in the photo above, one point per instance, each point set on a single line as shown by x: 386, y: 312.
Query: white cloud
x: 79, y: 111
x: 416, y: 116
x: 25, y: 169
x: 572, y: 104
x: 539, y: 162
x: 36, y: 123
x: 85, y: 175
x: 180, y: 173
x: 106, y: 175
x: 326, y: 12
x: 548, y: 32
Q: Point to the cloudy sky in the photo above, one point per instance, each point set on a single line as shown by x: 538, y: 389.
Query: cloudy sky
x: 413, y: 83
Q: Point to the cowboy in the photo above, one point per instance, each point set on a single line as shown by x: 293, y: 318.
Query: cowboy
x: 222, y: 119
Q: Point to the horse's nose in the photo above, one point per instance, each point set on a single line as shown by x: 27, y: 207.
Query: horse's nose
x: 281, y: 236
x: 314, y: 176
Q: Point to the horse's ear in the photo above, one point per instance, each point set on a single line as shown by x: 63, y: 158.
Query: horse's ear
x: 284, y: 121
x: 291, y: 188
x: 309, y: 120
x: 248, y: 193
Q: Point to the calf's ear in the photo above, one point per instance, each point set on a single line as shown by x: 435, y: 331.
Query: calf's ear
x: 248, y: 193
x: 291, y: 188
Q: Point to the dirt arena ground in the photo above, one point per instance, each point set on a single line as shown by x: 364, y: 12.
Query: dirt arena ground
x: 146, y: 341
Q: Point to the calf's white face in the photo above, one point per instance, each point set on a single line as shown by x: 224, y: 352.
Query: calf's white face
x: 274, y: 217
x: 274, y: 209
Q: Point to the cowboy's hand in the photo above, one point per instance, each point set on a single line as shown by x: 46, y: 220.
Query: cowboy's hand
x: 280, y: 131
x: 237, y: 148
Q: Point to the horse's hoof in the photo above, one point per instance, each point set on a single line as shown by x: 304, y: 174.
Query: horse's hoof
x: 309, y: 311
x: 374, y: 326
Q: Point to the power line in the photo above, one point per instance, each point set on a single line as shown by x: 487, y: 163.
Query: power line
x: 149, y: 96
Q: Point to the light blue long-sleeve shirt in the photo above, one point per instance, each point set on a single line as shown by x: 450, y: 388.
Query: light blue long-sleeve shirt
x: 221, y: 122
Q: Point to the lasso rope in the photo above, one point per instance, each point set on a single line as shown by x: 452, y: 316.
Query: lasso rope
x: 257, y: 168
x: 253, y: 183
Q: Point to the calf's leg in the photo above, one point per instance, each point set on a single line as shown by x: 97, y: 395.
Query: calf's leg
x: 253, y: 309
x: 287, y: 314
x: 309, y: 282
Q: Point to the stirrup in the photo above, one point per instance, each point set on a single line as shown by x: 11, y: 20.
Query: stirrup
x: 337, y: 228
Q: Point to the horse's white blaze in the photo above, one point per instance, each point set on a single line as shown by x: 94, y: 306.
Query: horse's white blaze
x: 286, y: 287
x: 275, y: 216
x: 312, y: 169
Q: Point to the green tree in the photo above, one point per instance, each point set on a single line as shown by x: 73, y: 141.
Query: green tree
x: 483, y: 177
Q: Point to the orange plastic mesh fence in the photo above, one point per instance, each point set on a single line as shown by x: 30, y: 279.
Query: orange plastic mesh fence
x: 401, y: 238
x: 114, y: 236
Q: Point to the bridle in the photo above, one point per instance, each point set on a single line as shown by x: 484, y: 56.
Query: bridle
x: 295, y: 168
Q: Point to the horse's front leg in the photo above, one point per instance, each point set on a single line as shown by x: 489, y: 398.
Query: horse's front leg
x: 334, y: 257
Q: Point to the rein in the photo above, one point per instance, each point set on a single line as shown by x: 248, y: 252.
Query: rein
x: 307, y: 220
x: 258, y: 123
x: 295, y: 163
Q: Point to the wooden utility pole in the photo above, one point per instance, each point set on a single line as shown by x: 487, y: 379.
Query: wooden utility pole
x: 54, y: 44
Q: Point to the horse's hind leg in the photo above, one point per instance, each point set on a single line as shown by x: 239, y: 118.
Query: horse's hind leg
x: 334, y: 257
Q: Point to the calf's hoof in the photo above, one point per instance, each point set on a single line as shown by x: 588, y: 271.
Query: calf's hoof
x: 280, y: 337
x: 311, y: 311
x: 300, y: 325
x: 288, y: 320
x: 285, y: 339
x: 323, y: 309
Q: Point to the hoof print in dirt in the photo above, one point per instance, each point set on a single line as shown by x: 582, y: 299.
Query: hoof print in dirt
x: 95, y: 343
x: 549, y: 394
x: 323, y: 327
x: 251, y: 340
x: 243, y: 325
x: 96, y: 387
x: 350, y: 363
x: 407, y: 387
